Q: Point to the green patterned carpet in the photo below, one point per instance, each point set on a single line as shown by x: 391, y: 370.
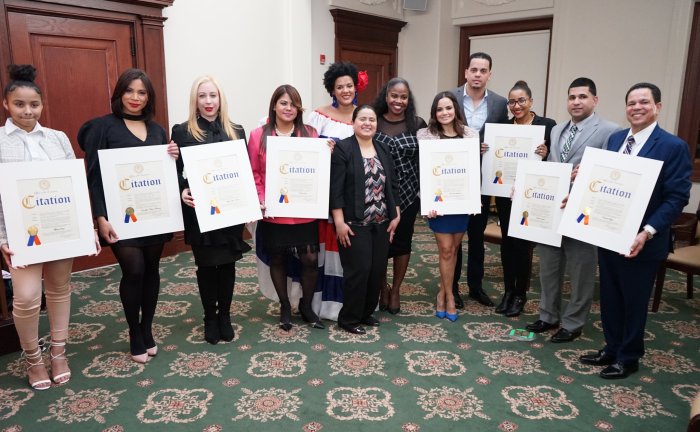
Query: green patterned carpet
x: 414, y: 373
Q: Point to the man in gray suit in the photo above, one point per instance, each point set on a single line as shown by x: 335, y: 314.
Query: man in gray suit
x: 478, y: 107
x: 578, y: 259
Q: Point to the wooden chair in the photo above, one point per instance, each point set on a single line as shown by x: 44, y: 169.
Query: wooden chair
x: 684, y: 259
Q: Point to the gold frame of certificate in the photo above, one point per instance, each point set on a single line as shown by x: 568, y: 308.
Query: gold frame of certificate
x: 141, y: 191
x: 608, y: 199
x: 538, y: 192
x: 449, y: 176
x: 222, y: 185
x: 46, y: 208
x: 298, y: 174
x: 508, y: 144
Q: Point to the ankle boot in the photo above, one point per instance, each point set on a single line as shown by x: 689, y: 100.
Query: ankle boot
x: 516, y: 307
x: 505, y: 303
x: 225, y: 298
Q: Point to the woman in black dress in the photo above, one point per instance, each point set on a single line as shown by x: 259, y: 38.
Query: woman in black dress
x: 130, y: 125
x: 397, y: 124
x: 515, y: 252
x: 215, y: 252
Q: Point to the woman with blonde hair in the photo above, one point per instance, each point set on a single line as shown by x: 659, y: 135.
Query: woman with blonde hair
x: 215, y: 252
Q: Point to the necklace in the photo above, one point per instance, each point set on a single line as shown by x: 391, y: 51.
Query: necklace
x: 280, y: 133
x: 529, y: 122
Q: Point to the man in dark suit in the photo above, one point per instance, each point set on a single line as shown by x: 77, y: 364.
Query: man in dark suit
x: 568, y: 142
x: 626, y: 281
x: 479, y: 106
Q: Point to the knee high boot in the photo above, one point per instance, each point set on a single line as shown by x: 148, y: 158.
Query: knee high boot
x: 206, y: 281
x: 224, y: 294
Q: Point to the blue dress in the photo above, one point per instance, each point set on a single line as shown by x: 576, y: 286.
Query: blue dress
x: 449, y: 224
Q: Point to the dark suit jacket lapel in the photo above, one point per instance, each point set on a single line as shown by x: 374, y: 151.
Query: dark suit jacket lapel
x: 651, y: 142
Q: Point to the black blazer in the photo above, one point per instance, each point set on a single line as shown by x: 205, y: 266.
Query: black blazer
x: 347, y: 189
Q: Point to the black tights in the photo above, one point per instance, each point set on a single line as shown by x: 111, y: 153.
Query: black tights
x: 138, y: 290
x: 309, y: 276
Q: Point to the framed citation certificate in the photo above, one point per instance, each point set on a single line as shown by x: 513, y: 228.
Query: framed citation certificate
x: 538, y: 192
x: 141, y: 191
x: 221, y: 183
x: 449, y: 176
x: 508, y: 144
x: 297, y: 177
x: 46, y: 209
x: 608, y: 199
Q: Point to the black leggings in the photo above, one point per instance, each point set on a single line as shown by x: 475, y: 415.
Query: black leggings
x: 309, y: 274
x: 138, y: 290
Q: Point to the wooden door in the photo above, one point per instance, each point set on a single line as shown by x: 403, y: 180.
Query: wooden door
x: 378, y: 67
x: 78, y: 63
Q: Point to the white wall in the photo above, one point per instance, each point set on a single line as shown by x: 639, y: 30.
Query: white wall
x: 250, y: 47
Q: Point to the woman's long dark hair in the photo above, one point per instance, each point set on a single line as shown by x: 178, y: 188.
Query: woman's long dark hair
x: 381, y: 107
x: 434, y: 125
x: 300, y: 129
x: 120, y: 88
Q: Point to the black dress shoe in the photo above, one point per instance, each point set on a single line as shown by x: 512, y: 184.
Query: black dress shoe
x: 481, y: 297
x: 370, y: 321
x: 540, y: 326
x: 564, y: 335
x: 599, y: 358
x: 357, y: 329
x: 516, y: 306
x: 505, y: 302
x: 619, y: 370
x: 459, y: 303
x: 393, y: 311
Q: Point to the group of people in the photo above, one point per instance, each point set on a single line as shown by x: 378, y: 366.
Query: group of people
x: 341, y: 263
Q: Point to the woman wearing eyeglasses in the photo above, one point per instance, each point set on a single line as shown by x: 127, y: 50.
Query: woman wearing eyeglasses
x: 514, y: 251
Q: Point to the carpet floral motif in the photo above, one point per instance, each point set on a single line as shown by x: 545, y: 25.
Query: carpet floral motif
x: 273, y: 333
x: 357, y: 403
x: 488, y: 332
x: 199, y: 364
x: 434, y: 363
x: 512, y: 362
x: 268, y: 404
x: 418, y: 308
x: 423, y: 333
x: 187, y: 273
x: 570, y: 359
x: 175, y: 406
x: 336, y: 334
x: 667, y: 361
x: 101, y: 308
x: 12, y: 400
x: 412, y: 290
x: 629, y: 401
x: 83, y: 406
x: 172, y: 309
x: 113, y: 365
x: 245, y: 288
x: 240, y: 308
x: 540, y: 402
x: 450, y: 403
x: 277, y: 364
x: 683, y: 329
x: 356, y: 364
x: 110, y: 290
x: 99, y: 273
x: 687, y: 392
x: 84, y: 332
x: 179, y: 289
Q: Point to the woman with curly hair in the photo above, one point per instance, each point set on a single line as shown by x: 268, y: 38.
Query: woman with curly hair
x: 342, y: 81
x: 397, y: 124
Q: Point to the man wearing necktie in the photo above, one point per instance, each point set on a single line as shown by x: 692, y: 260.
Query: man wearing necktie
x: 626, y: 281
x: 576, y: 258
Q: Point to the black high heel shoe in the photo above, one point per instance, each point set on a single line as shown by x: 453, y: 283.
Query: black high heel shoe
x: 285, y: 315
x: 309, y: 316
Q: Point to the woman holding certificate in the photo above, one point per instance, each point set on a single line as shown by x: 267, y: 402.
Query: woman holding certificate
x: 342, y: 82
x: 23, y: 139
x: 130, y: 125
x: 446, y: 123
x: 215, y: 252
x: 397, y: 124
x: 364, y: 202
x: 515, y: 252
x: 284, y: 237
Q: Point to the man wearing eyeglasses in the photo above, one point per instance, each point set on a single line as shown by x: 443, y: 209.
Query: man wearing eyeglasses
x: 478, y: 106
x: 576, y: 258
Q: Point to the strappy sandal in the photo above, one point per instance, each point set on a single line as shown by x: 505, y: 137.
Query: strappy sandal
x: 64, y: 377
x: 36, y: 359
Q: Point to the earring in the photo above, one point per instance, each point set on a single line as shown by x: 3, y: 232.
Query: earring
x: 335, y: 102
x: 354, y: 100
